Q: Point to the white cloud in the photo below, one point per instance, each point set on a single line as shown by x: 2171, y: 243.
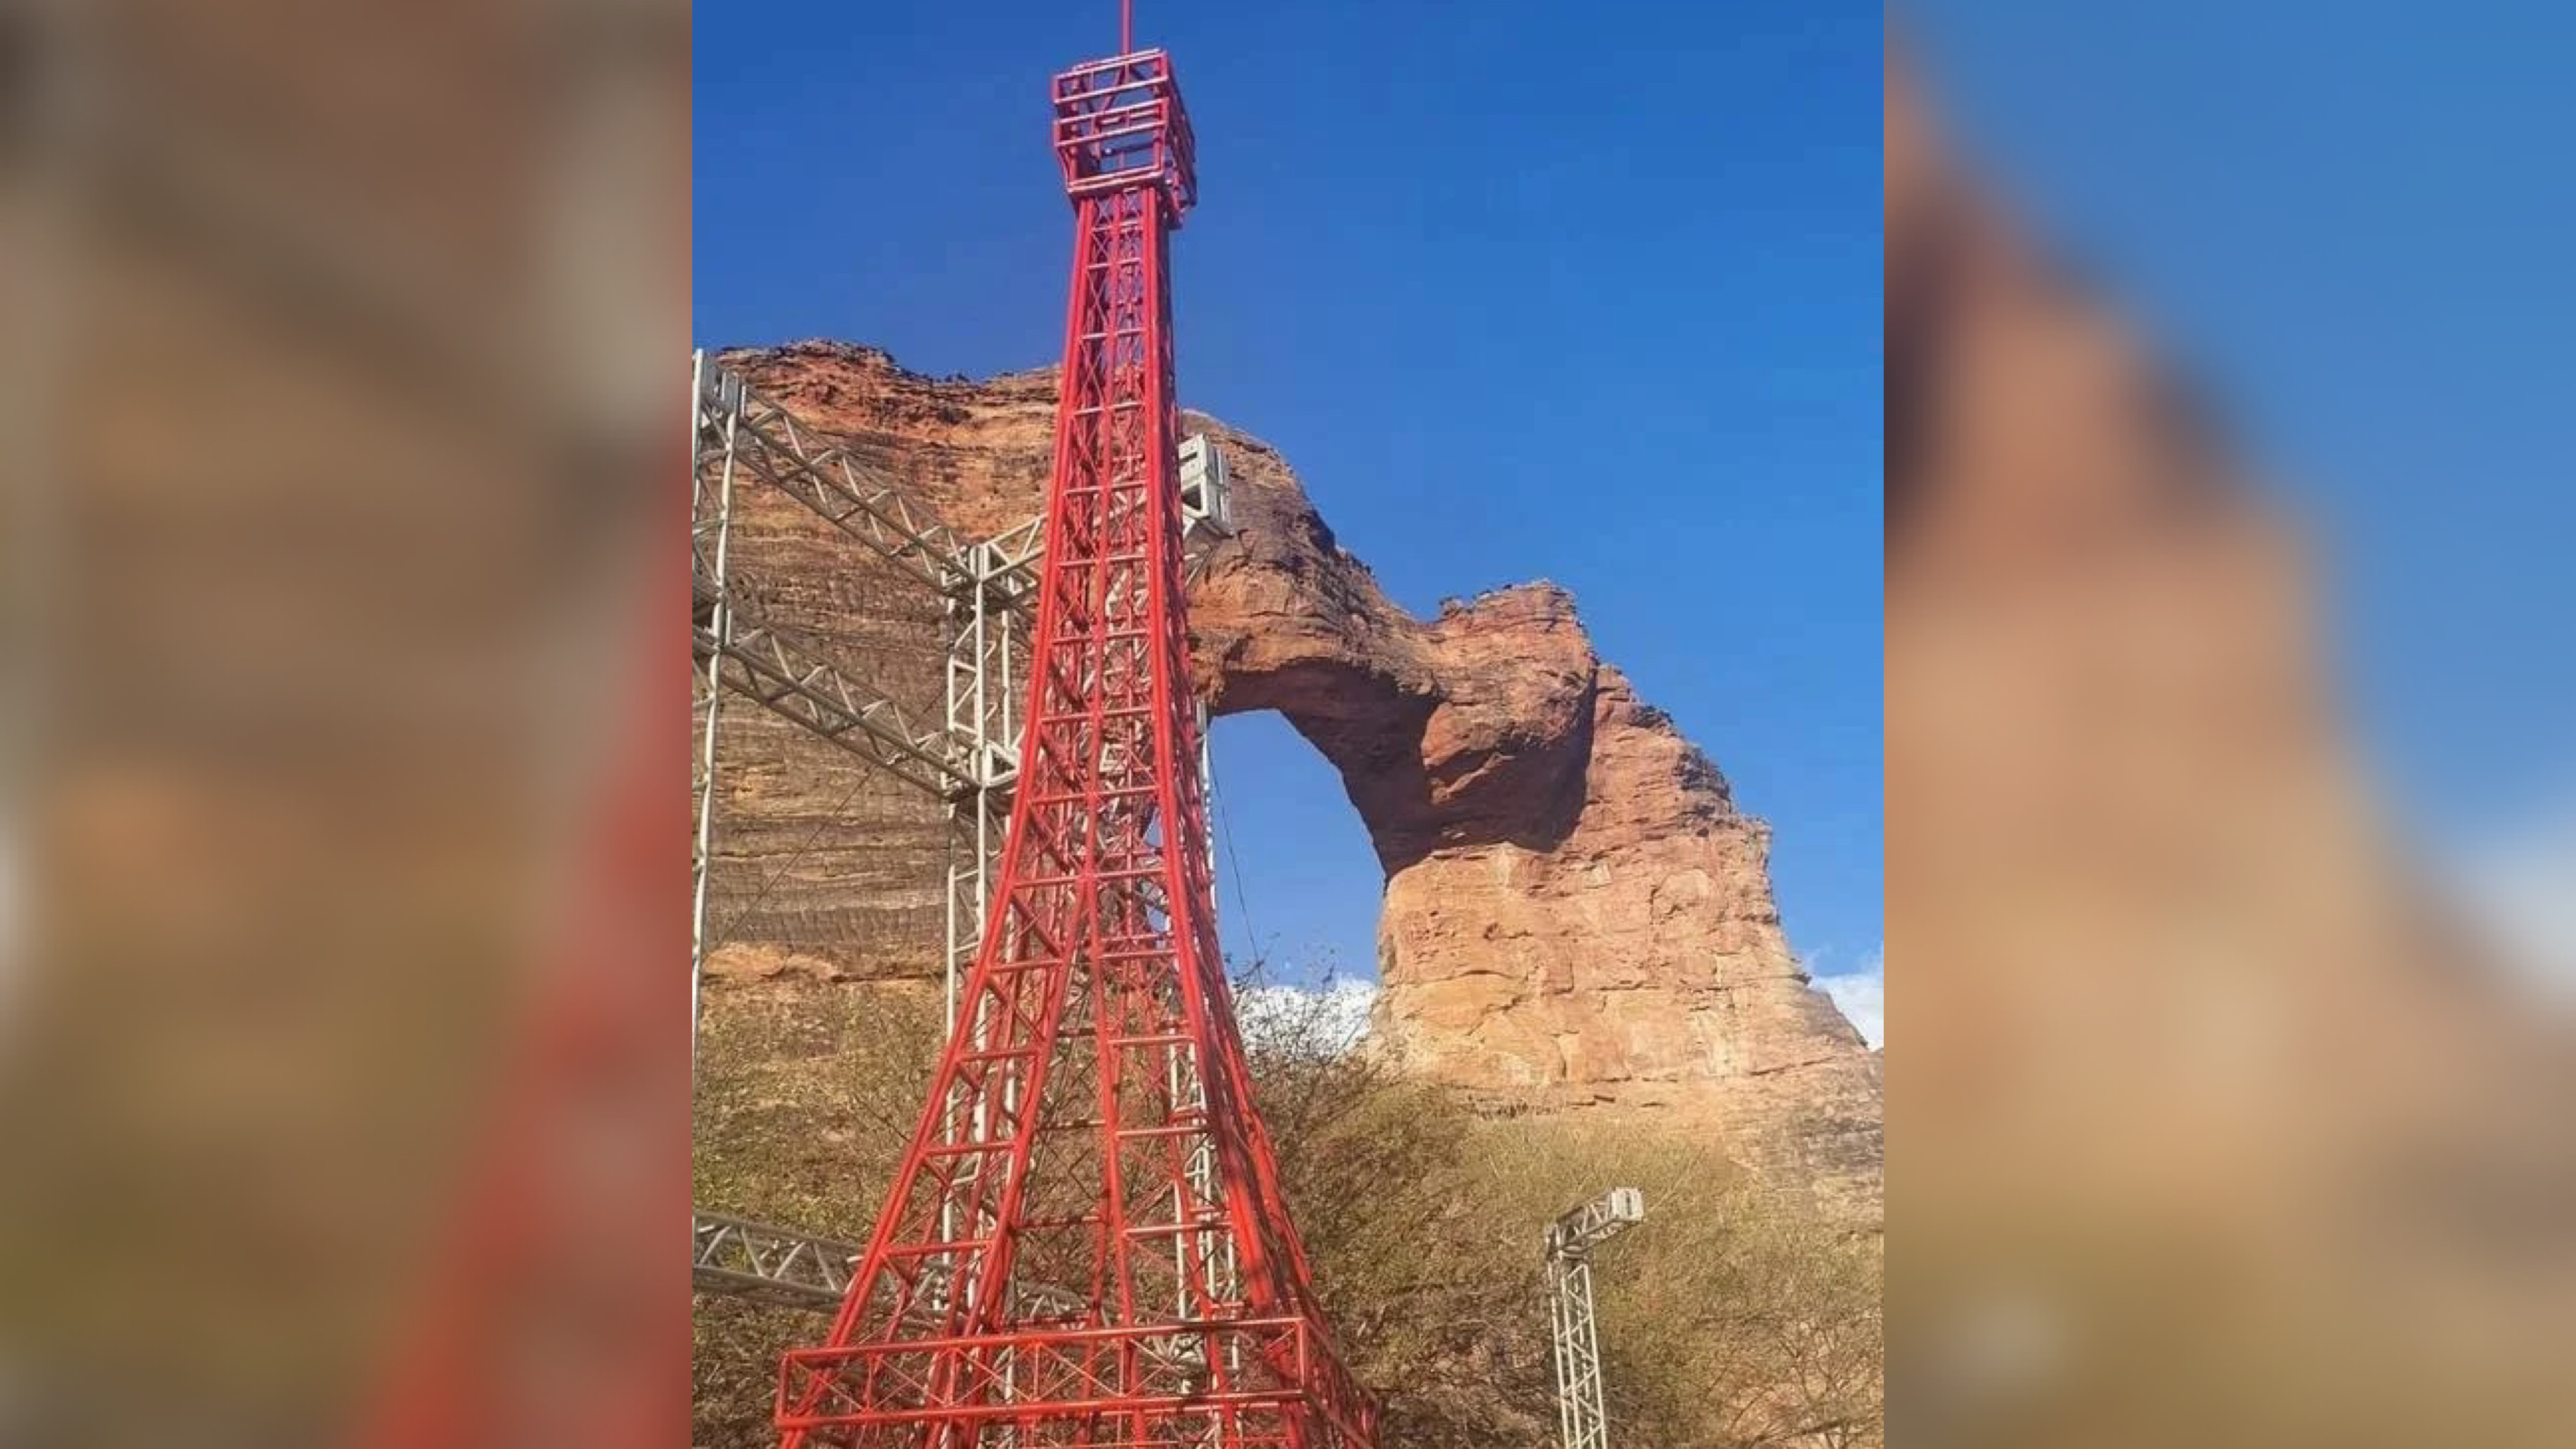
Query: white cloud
x: 2520, y: 888
x: 1862, y: 995
x: 1334, y: 1015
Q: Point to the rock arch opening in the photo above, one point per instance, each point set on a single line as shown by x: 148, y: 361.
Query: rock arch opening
x: 1298, y: 883
x: 1572, y: 911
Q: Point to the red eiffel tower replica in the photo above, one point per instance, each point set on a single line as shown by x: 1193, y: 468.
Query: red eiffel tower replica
x: 1087, y: 1244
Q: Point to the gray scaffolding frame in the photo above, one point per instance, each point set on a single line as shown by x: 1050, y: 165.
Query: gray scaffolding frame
x: 969, y: 760
x: 1574, y: 1332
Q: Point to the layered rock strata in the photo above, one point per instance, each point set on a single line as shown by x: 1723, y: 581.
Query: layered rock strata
x: 1576, y: 913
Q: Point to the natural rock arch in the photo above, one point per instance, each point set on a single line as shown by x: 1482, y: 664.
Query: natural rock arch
x: 1575, y: 913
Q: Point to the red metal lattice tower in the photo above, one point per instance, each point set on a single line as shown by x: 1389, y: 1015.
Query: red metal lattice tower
x: 1087, y: 1244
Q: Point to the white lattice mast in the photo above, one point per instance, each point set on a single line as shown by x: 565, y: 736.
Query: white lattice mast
x: 985, y: 636
x: 710, y: 543
x: 1574, y: 1331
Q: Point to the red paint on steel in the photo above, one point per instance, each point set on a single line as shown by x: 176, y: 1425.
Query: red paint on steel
x: 1087, y: 1241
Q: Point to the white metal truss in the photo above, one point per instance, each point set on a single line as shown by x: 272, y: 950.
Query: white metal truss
x: 759, y: 662
x: 773, y: 1266
x: 710, y: 538
x: 970, y: 760
x: 986, y: 634
x: 783, y: 1268
x: 854, y: 496
x: 1573, y: 1330
x: 987, y: 587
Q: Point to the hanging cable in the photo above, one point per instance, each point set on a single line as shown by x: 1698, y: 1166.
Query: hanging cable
x: 784, y: 866
x: 1234, y: 861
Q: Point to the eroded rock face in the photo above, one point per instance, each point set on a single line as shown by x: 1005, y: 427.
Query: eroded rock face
x: 1576, y: 914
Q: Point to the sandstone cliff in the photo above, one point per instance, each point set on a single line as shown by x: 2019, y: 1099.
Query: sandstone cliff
x: 1576, y: 914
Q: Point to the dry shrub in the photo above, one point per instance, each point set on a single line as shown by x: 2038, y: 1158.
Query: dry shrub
x: 1730, y: 1319
x: 804, y: 1104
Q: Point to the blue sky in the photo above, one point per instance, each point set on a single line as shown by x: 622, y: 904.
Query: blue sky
x: 2357, y: 223
x: 1523, y: 290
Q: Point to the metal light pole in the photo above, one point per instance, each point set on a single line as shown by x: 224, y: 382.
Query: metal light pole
x: 1574, y: 1331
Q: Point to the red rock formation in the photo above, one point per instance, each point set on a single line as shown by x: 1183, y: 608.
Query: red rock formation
x: 1575, y: 911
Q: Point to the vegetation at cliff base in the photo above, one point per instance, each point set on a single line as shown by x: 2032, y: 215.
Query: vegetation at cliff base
x: 1732, y: 1318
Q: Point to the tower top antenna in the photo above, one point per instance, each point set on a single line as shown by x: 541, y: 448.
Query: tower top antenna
x: 1126, y: 26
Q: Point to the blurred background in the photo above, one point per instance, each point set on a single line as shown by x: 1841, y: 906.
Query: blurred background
x: 2334, y: 221
x: 2228, y: 726
x: 341, y: 829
